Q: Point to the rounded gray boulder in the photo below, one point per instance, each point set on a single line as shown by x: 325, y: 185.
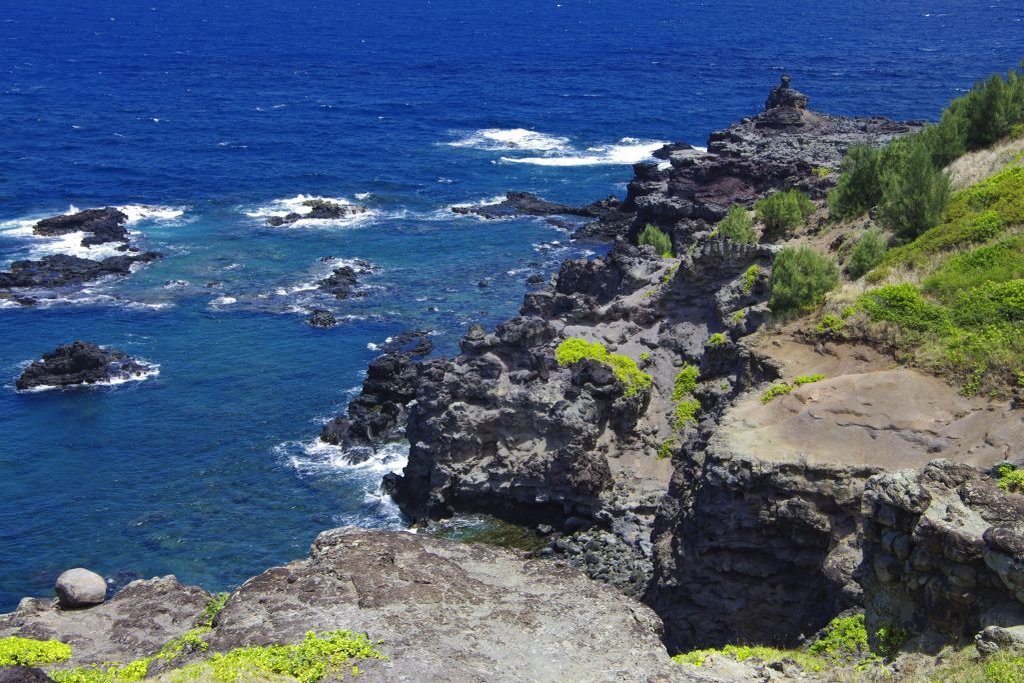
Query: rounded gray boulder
x: 80, y: 588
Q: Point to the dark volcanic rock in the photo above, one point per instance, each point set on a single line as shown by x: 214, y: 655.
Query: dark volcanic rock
x: 784, y: 96
x: 522, y: 204
x: 23, y: 674
x: 343, y: 279
x: 106, y: 225
x: 943, y: 551
x: 135, y: 623
x: 320, y: 209
x: 79, y: 363
x: 321, y: 317
x: 378, y: 414
x: 415, y: 343
x: 60, y: 270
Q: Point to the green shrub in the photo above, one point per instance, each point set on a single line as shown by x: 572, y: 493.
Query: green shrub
x: 822, y: 171
x: 807, y: 379
x: 800, y: 278
x: 717, y: 339
x: 998, y: 262
x: 15, y: 651
x: 867, y: 253
x: 750, y: 278
x: 574, y: 349
x: 1010, y: 478
x: 742, y: 653
x: 830, y: 325
x: 845, y: 640
x: 666, y: 448
x: 737, y: 226
x: 860, y: 183
x: 214, y: 606
x: 903, y: 304
x: 686, y: 381
x: 686, y: 412
x: 914, y: 191
x: 775, y: 391
x: 108, y: 672
x: 661, y: 242
x: 891, y: 640
x: 783, y: 211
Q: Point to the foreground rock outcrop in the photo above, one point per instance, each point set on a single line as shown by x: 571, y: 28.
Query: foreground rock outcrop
x: 439, y: 610
x: 944, y: 553
x: 80, y: 363
x: 134, y: 623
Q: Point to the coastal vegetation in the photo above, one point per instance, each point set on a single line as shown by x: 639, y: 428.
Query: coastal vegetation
x: 737, y: 226
x: 15, y: 651
x: 661, y: 242
x: 574, y: 349
x: 780, y: 212
x: 800, y: 278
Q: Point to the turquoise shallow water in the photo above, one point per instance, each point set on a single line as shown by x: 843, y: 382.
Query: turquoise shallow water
x: 220, y: 114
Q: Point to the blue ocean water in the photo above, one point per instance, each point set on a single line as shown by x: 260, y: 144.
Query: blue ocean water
x: 205, y: 117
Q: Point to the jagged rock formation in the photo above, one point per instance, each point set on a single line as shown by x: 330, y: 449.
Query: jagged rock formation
x: 134, y: 623
x: 321, y: 317
x: 104, y: 225
x: 944, y: 553
x: 60, y: 270
x: 784, y: 96
x: 79, y: 363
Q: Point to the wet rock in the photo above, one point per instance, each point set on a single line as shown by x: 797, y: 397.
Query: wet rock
x: 79, y: 363
x: 521, y: 204
x: 340, y: 282
x: 60, y: 270
x: 414, y: 343
x: 104, y: 225
x: 80, y: 587
x: 321, y: 317
x: 319, y: 209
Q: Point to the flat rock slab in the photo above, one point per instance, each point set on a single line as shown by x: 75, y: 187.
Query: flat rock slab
x: 452, y: 612
x: 134, y: 623
x: 865, y: 415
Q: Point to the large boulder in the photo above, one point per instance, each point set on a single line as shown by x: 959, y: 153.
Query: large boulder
x: 105, y: 225
x: 80, y: 587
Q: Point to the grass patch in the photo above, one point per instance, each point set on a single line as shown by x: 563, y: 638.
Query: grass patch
x: 750, y: 278
x: 830, y: 325
x: 807, y: 379
x: 717, y: 339
x: 775, y: 391
x: 666, y: 448
x: 742, y: 653
x: 15, y: 651
x: 686, y: 412
x: 686, y: 381
x: 574, y: 349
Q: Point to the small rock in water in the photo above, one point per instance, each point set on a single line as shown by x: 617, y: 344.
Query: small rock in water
x: 483, y: 283
x: 80, y: 587
x: 322, y: 318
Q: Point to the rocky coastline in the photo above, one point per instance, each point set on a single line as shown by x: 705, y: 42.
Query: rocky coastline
x: 713, y: 513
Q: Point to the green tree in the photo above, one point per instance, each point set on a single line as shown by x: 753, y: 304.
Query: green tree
x: 914, y: 193
x: 800, y: 278
x: 737, y: 226
x: 859, y: 186
x: 782, y: 211
x: 867, y: 253
x: 661, y: 242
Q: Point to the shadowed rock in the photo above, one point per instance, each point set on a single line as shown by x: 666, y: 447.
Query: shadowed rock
x: 79, y: 363
x: 60, y: 270
x: 105, y: 225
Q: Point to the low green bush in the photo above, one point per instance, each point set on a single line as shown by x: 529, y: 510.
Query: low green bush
x: 830, y: 325
x: 574, y: 349
x: 807, y: 379
x: 998, y: 262
x: 844, y: 641
x: 686, y: 381
x: 666, y: 448
x: 1010, y: 478
x: 750, y: 276
x: 737, y: 226
x: 867, y: 253
x: 15, y: 651
x: 661, y: 242
x: 717, y: 339
x: 780, y: 212
x: 686, y: 412
x: 775, y: 391
x: 800, y: 279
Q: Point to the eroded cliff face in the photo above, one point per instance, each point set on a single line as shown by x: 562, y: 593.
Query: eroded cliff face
x: 944, y: 554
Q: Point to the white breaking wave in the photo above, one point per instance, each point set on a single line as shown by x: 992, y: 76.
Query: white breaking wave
x: 504, y: 139
x: 146, y: 212
x: 297, y: 204
x: 151, y: 370
x: 626, y: 151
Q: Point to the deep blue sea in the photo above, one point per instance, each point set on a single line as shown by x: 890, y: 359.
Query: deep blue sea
x: 203, y: 118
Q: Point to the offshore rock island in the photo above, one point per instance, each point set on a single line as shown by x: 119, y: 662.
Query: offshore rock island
x: 701, y: 470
